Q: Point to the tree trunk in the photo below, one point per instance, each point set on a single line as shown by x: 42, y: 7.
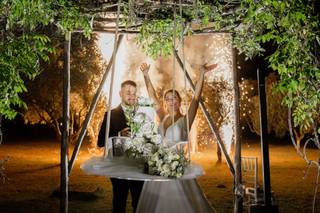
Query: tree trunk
x: 64, y: 178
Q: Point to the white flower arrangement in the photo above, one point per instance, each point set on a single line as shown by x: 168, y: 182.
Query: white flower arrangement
x: 146, y: 144
x: 166, y: 162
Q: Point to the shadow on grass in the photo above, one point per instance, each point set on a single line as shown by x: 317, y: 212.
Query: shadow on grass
x: 51, y: 204
x: 26, y: 206
x: 82, y: 195
x: 37, y: 169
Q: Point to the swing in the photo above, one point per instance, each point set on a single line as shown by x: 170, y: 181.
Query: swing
x: 93, y: 165
x: 181, y: 145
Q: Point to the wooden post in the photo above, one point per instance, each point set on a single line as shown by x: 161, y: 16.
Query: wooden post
x: 267, y: 205
x: 111, y: 85
x: 65, y: 125
x: 213, y: 127
x: 238, y: 192
x: 92, y: 107
x: 264, y: 139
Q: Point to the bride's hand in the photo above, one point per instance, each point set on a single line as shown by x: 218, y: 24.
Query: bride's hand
x: 144, y: 67
x: 209, y: 67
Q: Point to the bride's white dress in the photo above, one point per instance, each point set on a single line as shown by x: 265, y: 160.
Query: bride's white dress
x: 176, y: 195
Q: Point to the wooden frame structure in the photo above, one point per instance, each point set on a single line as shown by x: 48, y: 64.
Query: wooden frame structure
x: 67, y: 165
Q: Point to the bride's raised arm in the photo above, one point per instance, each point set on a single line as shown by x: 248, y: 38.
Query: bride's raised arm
x: 197, y: 93
x: 151, y: 91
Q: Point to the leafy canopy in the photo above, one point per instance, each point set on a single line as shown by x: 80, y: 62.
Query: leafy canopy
x: 293, y: 28
x: 23, y: 43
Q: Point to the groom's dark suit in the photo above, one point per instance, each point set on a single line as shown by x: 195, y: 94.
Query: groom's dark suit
x: 120, y: 187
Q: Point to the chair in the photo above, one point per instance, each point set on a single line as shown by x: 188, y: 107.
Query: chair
x: 249, y: 166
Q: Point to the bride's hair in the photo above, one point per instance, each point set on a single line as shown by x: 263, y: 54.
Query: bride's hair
x: 175, y: 92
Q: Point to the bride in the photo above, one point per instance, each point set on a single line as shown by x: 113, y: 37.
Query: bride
x: 175, y: 195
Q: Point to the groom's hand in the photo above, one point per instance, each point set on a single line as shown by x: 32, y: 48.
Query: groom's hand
x: 145, y: 68
x: 125, y: 132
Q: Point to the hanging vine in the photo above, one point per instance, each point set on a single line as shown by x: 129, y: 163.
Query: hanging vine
x: 157, y: 29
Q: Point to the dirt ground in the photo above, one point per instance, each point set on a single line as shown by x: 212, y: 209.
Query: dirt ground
x: 33, y: 176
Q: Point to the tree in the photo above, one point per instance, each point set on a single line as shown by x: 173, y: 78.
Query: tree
x: 23, y: 43
x: 44, y: 97
x: 249, y: 107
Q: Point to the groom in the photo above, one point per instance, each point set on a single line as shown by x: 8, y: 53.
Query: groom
x: 118, y: 126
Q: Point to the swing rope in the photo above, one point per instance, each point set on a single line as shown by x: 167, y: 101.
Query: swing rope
x: 173, y: 72
x: 174, y: 65
x: 111, y: 83
x: 185, y: 80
